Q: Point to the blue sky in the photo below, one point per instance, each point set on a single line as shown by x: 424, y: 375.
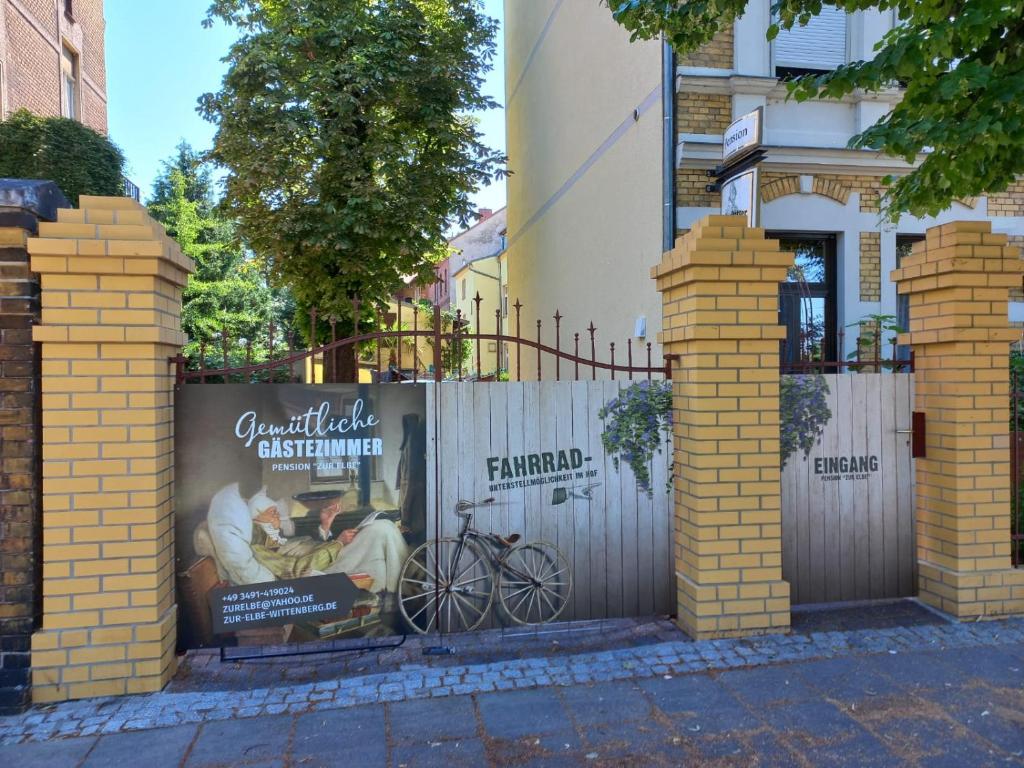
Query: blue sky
x: 160, y: 60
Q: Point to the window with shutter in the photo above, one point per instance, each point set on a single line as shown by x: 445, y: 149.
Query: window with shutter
x: 820, y: 46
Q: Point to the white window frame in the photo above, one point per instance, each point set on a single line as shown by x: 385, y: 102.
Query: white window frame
x: 70, y: 101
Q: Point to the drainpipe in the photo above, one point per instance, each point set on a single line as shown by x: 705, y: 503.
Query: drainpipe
x: 668, y: 181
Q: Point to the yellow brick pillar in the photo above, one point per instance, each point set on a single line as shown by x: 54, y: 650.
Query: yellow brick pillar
x: 111, y: 282
x: 720, y: 288
x: 958, y: 280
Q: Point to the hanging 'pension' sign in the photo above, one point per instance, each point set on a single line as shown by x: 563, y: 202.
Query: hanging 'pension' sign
x: 743, y: 136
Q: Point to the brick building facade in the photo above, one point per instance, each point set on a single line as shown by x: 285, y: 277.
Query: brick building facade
x: 816, y: 194
x: 611, y: 141
x: 52, y: 59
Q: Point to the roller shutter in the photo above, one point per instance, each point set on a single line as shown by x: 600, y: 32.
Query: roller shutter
x: 819, y: 45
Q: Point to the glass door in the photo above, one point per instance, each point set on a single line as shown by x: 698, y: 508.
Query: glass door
x: 807, y: 302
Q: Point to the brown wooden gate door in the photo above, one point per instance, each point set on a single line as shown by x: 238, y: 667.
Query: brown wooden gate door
x: 847, y: 509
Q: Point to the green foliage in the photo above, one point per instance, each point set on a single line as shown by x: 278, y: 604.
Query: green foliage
x: 197, y: 176
x: 962, y: 64
x: 638, y: 424
x: 344, y: 127
x: 1016, y: 427
x: 803, y: 413
x: 73, y: 156
x: 456, y: 352
x: 879, y: 324
x: 1016, y: 389
x: 870, y: 340
x: 228, y: 293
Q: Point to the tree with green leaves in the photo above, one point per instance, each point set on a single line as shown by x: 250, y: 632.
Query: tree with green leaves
x: 961, y: 63
x: 346, y: 133
x: 75, y: 157
x: 196, y: 173
x: 228, y: 295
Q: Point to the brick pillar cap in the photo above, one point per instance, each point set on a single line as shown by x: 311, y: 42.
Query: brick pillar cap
x: 40, y: 198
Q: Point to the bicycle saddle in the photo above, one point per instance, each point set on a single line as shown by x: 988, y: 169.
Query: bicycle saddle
x: 509, y: 540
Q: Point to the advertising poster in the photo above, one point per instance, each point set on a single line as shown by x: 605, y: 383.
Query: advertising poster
x: 740, y: 195
x: 296, y: 507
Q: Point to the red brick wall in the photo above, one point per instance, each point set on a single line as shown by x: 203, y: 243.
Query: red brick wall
x: 19, y: 462
x: 33, y: 32
x: 89, y: 16
x: 33, y: 68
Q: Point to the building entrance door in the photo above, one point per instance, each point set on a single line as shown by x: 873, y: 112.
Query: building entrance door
x: 807, y: 300
x: 847, y: 508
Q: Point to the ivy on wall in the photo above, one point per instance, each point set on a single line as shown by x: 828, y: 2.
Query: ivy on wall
x: 75, y: 157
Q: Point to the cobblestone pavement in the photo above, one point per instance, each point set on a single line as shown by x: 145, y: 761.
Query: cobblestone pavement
x: 928, y: 694
x: 957, y: 707
x: 204, y: 671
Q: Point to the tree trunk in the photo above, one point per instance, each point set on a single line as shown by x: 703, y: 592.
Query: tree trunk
x: 346, y: 367
x: 330, y: 367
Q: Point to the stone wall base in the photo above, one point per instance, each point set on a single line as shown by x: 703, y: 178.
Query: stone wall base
x: 732, y: 610
x: 971, y: 594
x: 78, y: 663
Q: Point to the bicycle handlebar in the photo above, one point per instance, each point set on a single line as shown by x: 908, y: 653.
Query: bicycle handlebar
x: 462, y: 504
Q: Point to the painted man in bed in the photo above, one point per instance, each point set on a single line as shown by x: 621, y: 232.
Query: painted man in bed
x: 261, y: 547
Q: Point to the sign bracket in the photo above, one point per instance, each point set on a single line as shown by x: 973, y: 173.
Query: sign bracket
x: 727, y: 170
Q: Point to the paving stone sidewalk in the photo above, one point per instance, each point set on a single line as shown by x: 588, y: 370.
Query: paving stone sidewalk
x: 419, y: 681
x: 870, y: 698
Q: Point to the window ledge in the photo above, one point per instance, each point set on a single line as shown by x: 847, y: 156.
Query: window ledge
x: 771, y: 87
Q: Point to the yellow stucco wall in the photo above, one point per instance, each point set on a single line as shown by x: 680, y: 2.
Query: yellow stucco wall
x: 482, y: 276
x: 585, y: 198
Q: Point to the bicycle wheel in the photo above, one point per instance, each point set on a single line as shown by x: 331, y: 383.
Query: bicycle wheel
x: 436, y: 592
x: 535, y: 583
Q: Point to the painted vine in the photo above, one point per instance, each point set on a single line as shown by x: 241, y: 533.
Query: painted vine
x: 803, y: 413
x: 638, y: 423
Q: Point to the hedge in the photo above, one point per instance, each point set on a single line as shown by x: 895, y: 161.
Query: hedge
x: 75, y: 157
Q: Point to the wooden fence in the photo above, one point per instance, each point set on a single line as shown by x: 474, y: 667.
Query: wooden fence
x: 617, y: 537
x: 847, y: 509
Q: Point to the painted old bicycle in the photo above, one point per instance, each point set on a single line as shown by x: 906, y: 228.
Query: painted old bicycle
x: 450, y: 584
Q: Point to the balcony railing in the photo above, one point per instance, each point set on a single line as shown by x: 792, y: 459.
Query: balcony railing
x: 131, y: 189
